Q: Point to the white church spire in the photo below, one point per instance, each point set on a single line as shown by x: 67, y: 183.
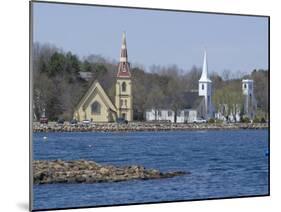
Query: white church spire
x: 205, y: 89
x: 204, y: 75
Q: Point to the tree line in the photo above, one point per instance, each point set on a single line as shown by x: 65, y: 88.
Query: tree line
x: 58, y: 85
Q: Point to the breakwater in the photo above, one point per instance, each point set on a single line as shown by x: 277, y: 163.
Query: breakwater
x: 82, y: 171
x: 141, y: 126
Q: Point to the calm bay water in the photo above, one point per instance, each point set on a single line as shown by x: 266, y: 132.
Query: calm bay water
x: 225, y: 163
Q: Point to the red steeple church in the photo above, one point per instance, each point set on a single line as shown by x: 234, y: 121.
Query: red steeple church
x: 124, y: 65
x: 123, y: 89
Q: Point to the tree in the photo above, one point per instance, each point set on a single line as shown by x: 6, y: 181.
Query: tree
x: 58, y: 86
x: 154, y: 99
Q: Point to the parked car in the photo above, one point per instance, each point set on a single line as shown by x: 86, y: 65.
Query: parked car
x: 200, y: 120
x: 43, y: 120
x: 121, y: 121
x: 60, y: 121
x: 86, y: 121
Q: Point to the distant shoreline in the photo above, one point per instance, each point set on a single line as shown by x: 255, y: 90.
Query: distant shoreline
x: 143, y: 126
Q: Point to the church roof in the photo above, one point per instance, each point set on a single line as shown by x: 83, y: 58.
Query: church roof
x: 192, y: 100
x: 204, y: 76
x: 188, y: 100
x: 96, y: 88
x: 124, y: 66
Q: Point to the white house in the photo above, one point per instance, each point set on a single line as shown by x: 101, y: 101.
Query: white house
x: 182, y: 116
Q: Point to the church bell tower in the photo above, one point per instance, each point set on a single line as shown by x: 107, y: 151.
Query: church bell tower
x: 249, y: 98
x: 123, y: 97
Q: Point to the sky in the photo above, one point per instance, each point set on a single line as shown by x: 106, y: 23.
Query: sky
x: 235, y: 43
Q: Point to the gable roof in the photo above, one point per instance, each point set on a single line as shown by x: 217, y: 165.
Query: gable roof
x: 192, y: 100
x: 96, y: 87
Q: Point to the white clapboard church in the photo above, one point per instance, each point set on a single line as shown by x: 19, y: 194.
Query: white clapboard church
x: 197, y: 103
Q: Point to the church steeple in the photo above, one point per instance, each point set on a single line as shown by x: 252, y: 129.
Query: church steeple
x: 124, y: 66
x: 124, y: 95
x: 205, y: 89
x: 204, y: 75
x: 124, y: 55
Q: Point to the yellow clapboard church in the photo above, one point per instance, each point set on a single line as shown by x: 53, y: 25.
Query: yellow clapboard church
x: 96, y: 106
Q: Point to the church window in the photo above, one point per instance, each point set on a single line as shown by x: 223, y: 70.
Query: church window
x: 202, y: 86
x: 245, y: 85
x: 123, y: 87
x: 96, y: 108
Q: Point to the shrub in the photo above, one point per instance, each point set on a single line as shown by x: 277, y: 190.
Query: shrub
x: 211, y: 121
x: 219, y: 121
x: 263, y: 120
x: 245, y: 120
x: 256, y: 120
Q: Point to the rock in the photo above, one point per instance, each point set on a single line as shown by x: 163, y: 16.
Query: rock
x: 104, y: 171
x: 90, y: 172
x: 144, y: 126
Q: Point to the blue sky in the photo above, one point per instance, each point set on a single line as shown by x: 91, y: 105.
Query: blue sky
x: 236, y: 43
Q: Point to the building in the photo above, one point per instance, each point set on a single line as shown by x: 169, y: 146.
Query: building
x: 160, y: 115
x: 123, y: 90
x: 96, y: 105
x: 248, y: 107
x: 194, y: 109
x: 197, y: 103
x: 86, y: 75
x: 205, y: 90
x: 227, y: 113
x: 250, y: 103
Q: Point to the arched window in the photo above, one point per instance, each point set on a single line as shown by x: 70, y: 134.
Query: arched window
x: 202, y: 86
x: 96, y: 108
x: 123, y: 87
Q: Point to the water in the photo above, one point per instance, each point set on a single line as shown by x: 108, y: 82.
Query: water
x: 227, y: 163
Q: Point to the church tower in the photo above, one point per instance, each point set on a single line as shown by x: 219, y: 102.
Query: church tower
x: 249, y: 98
x: 205, y: 89
x: 123, y: 89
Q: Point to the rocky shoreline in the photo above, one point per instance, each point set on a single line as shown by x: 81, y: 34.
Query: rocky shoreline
x: 83, y: 171
x: 142, y: 126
